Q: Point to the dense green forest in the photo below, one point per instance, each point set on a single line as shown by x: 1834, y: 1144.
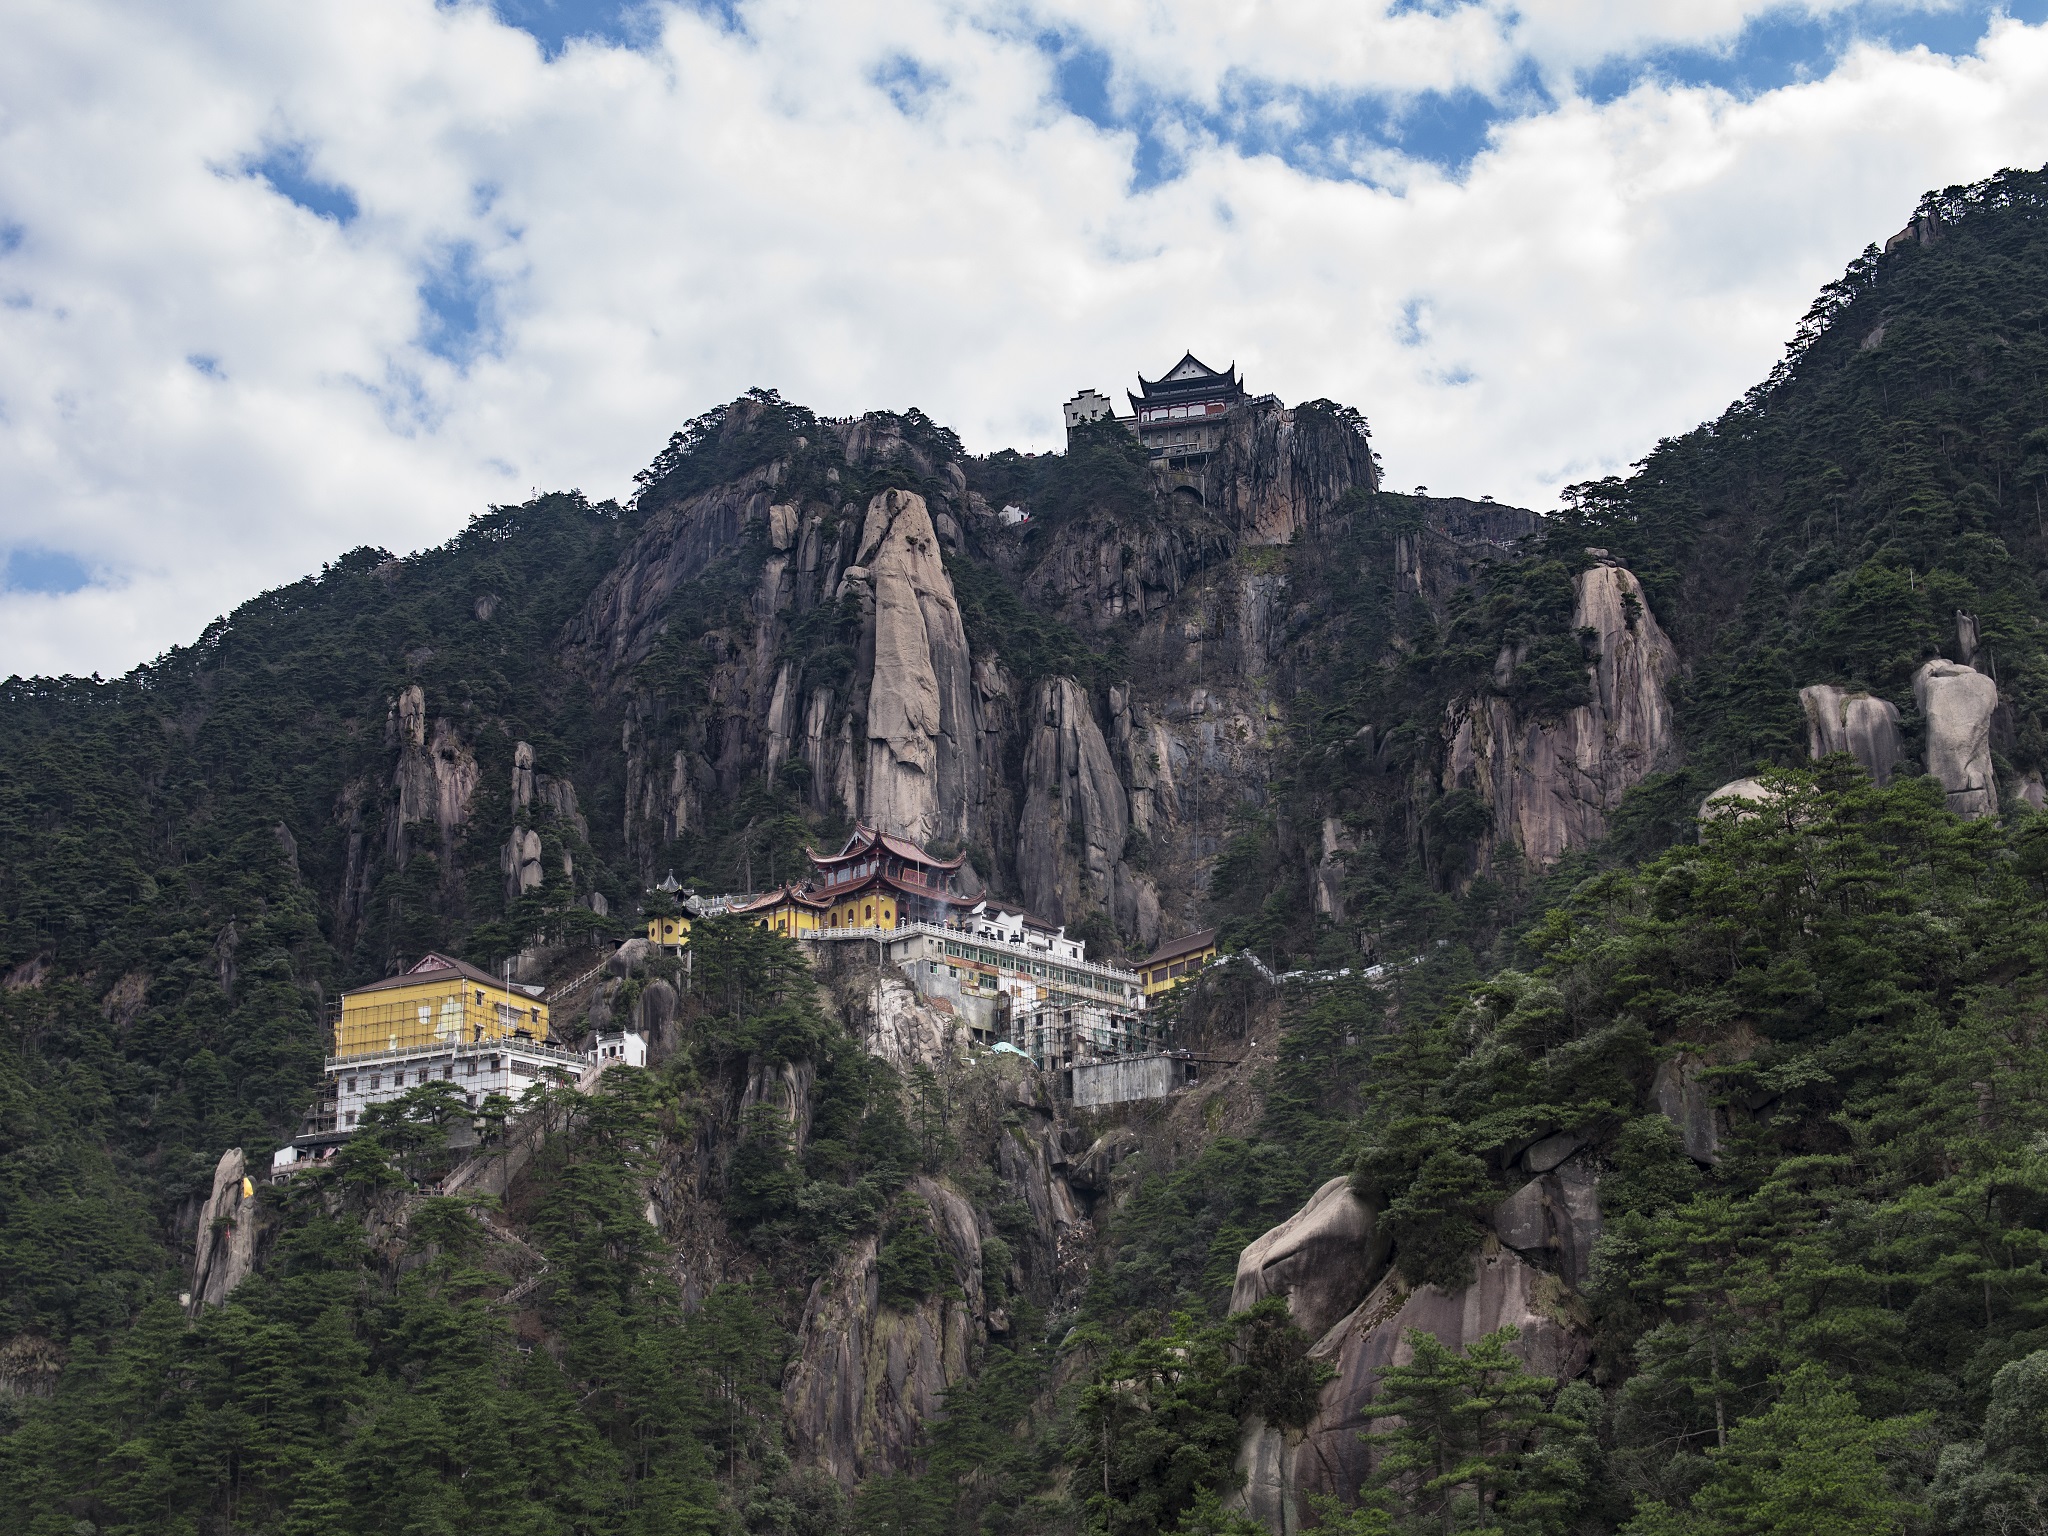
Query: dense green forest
x: 1819, y: 1305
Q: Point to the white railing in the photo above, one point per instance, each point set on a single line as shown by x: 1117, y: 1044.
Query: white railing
x: 1022, y: 952
x: 498, y: 1047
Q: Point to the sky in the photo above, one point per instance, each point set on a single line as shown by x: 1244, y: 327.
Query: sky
x: 278, y: 281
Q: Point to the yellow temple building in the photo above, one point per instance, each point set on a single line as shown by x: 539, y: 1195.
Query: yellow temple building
x: 438, y: 1001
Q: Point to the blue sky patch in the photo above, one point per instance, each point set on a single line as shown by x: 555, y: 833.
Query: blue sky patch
x: 11, y: 236
x: 1787, y: 46
x: 206, y: 365
x: 554, y: 24
x: 1332, y: 134
x: 908, y: 83
x: 461, y: 320
x: 283, y: 166
x: 43, y: 570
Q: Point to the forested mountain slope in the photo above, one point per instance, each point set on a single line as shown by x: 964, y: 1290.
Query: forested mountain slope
x: 1736, y: 1126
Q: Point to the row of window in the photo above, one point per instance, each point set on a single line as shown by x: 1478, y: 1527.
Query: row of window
x: 447, y: 1070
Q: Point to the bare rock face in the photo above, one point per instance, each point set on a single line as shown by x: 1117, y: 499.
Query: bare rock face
x: 1075, y: 814
x: 520, y: 861
x: 910, y: 1029
x: 1684, y: 1100
x: 1323, y: 1258
x: 1279, y: 471
x: 1551, y: 784
x: 1958, y: 702
x: 1860, y: 724
x: 1556, y: 1215
x: 1284, y: 1470
x: 867, y: 1379
x: 923, y: 769
x: 436, y: 774
x: 226, y: 1249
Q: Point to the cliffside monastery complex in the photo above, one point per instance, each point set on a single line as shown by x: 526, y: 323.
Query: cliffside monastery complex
x: 1012, y: 980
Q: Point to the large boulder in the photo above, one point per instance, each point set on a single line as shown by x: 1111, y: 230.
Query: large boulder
x: 1322, y: 1259
x: 1860, y: 724
x: 1958, y: 703
x: 1285, y: 1470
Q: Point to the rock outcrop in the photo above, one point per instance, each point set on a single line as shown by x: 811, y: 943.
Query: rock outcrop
x: 1684, y: 1099
x: 1285, y: 1469
x: 868, y: 1378
x: 1958, y: 703
x: 1076, y: 816
x: 226, y: 1248
x: 1860, y: 724
x: 1322, y: 1259
x: 1279, y: 471
x: 1556, y: 1218
x: 923, y: 769
x: 1550, y: 784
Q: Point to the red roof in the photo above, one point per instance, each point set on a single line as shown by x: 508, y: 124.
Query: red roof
x: 865, y: 838
x: 777, y: 897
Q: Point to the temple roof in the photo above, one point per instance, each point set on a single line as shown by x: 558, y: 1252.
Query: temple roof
x: 1189, y: 376
x: 795, y: 894
x: 865, y: 838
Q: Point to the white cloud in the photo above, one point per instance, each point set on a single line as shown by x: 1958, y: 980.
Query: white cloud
x: 662, y: 229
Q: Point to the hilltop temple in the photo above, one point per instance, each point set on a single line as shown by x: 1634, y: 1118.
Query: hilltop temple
x: 1179, y: 418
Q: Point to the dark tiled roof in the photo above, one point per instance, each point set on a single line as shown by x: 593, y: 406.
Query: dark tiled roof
x: 1186, y: 944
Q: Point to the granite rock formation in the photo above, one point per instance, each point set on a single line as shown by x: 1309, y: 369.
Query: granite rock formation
x: 1550, y: 784
x: 867, y: 1377
x: 1958, y: 703
x: 225, y: 1253
x: 1860, y: 724
x: 1321, y: 1259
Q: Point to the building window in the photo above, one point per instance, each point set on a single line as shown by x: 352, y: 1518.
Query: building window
x: 469, y: 1067
x: 868, y: 912
x: 376, y: 1081
x: 349, y: 1118
x: 351, y: 1085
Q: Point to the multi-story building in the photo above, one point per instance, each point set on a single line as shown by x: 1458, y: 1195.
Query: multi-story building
x: 444, y: 1019
x: 1180, y: 418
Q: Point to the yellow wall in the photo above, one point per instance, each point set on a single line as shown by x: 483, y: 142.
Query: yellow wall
x: 789, y: 917
x: 668, y: 930
x: 443, y: 1011
x: 864, y: 911
x: 1190, y: 963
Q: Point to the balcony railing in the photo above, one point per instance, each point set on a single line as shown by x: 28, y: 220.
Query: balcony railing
x: 1023, y: 952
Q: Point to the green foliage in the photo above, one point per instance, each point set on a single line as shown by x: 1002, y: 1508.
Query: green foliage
x: 1467, y: 1427
x: 1002, y: 623
x: 1156, y: 1428
x: 909, y: 1266
x: 1811, y: 1466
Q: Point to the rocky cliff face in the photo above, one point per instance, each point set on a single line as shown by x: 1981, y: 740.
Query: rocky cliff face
x: 1551, y: 784
x: 868, y: 1375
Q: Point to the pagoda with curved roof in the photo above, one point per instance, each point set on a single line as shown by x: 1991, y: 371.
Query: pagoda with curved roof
x: 1180, y: 418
